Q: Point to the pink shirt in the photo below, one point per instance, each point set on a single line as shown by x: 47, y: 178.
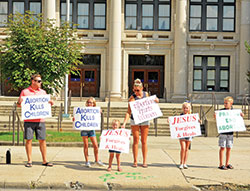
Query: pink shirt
x: 31, y: 92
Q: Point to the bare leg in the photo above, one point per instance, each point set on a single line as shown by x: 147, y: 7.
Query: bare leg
x: 135, y: 132
x: 144, y: 136
x: 186, y: 151
x: 221, y: 155
x: 182, y: 152
x: 28, y: 147
x: 43, y: 149
x: 85, y: 147
x: 95, y: 147
x: 111, y: 156
x: 118, y: 161
x: 228, y: 156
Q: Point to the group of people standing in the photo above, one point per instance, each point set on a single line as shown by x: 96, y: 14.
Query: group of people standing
x: 38, y: 126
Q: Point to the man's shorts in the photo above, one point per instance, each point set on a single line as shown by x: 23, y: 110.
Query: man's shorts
x: 90, y: 133
x: 113, y: 151
x: 37, y: 127
x: 226, y: 141
x: 132, y: 122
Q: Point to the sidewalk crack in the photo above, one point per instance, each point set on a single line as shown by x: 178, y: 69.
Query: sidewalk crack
x: 176, y: 165
x: 206, y: 179
x: 35, y: 183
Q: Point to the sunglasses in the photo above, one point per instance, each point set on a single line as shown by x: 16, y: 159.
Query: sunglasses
x: 39, y: 81
x: 136, y: 90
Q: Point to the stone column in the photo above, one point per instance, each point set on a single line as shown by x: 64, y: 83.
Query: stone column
x: 244, y: 56
x: 50, y: 9
x: 115, y: 50
x: 180, y: 69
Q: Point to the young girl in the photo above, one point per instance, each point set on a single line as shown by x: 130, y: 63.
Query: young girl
x: 90, y: 134
x: 115, y: 125
x: 185, y: 142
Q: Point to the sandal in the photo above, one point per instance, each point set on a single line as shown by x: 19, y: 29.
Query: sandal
x: 222, y: 167
x: 109, y: 169
x: 28, y: 164
x: 119, y: 169
x: 230, y: 166
x: 134, y: 165
x: 144, y: 166
x: 47, y: 164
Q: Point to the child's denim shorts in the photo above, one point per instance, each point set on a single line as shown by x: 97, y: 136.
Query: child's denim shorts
x: 90, y: 133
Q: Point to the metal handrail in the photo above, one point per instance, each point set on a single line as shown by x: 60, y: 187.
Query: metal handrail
x: 59, y: 122
x: 156, y: 126
x: 245, y: 105
x: 19, y: 124
x: 214, y: 102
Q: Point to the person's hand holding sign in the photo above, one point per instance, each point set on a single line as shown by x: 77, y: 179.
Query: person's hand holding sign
x: 156, y: 100
x: 19, y: 102
x: 51, y: 102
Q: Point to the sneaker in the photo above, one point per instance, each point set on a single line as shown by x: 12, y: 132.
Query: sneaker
x: 181, y: 166
x: 99, y: 163
x: 185, y: 166
x: 87, y: 164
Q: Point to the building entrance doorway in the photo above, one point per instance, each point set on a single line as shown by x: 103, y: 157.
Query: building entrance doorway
x: 150, y: 79
x: 86, y: 82
x: 149, y: 69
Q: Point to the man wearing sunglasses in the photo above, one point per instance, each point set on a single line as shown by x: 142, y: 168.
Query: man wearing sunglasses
x: 35, y: 125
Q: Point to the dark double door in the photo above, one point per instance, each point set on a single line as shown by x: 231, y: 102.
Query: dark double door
x: 150, y: 79
x: 84, y: 84
x: 150, y: 70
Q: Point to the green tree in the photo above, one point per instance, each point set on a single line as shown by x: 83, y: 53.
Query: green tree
x: 36, y: 46
x: 248, y: 50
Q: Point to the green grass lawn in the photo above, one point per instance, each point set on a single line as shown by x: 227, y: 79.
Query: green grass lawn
x: 52, y: 136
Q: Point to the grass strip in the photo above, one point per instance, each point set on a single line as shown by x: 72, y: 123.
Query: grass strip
x: 51, y: 136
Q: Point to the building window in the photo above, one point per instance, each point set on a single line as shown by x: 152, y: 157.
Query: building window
x: 64, y: 13
x: 87, y: 14
x: 3, y: 13
x: 211, y: 73
x: 212, y: 15
x: 35, y: 8
x: 14, y: 7
x: 99, y: 15
x: 147, y: 15
x: 18, y: 7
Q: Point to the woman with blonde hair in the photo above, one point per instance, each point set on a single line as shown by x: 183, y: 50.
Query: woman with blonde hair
x: 137, y: 128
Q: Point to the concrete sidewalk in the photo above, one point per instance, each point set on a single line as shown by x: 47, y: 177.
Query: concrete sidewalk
x: 70, y: 173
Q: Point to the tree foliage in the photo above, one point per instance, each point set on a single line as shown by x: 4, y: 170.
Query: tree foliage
x: 36, y: 46
x: 248, y: 50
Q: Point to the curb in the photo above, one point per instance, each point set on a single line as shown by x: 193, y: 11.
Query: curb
x: 49, y: 144
x: 82, y: 186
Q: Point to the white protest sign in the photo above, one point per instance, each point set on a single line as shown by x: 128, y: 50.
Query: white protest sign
x: 87, y: 118
x: 145, y: 109
x: 229, y: 121
x: 117, y: 140
x: 184, y: 126
x: 36, y: 107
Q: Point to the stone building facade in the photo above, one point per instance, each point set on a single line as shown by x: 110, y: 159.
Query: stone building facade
x: 178, y: 48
